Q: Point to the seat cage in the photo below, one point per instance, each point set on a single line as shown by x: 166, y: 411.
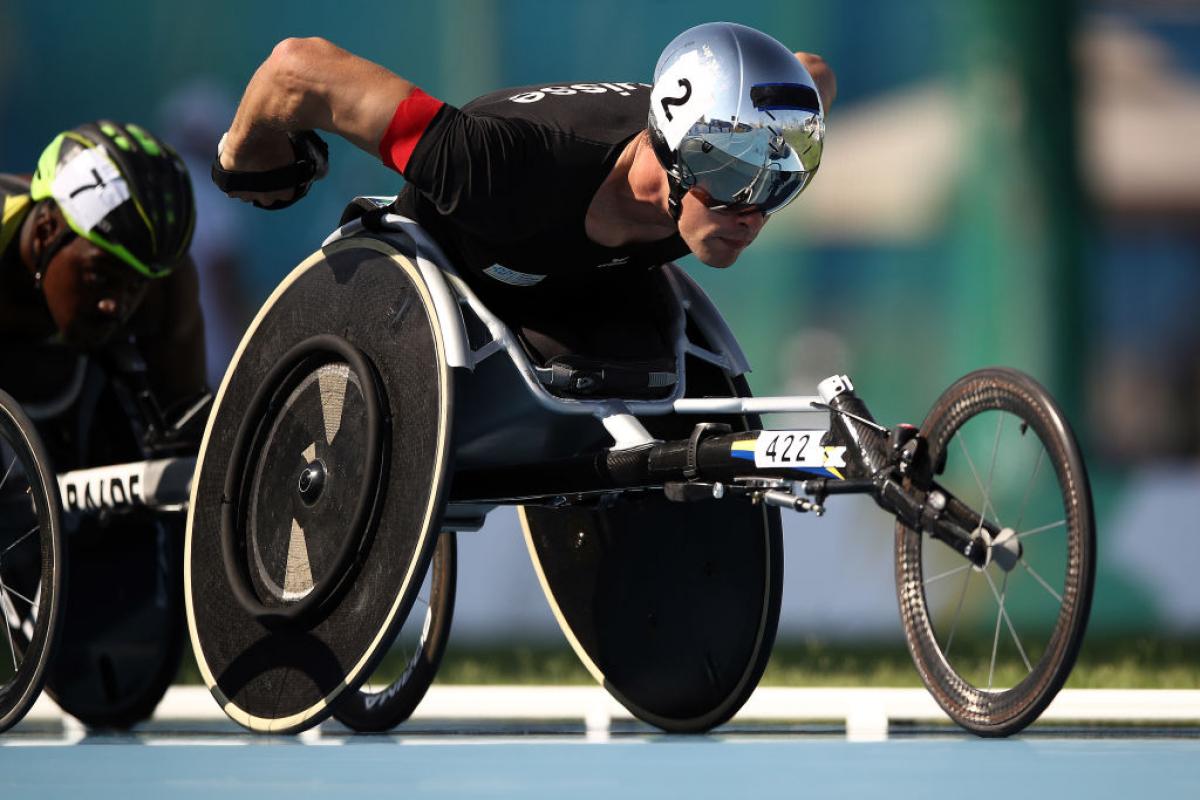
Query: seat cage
x: 460, y: 310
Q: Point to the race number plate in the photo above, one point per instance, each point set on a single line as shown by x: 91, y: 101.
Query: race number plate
x: 796, y: 450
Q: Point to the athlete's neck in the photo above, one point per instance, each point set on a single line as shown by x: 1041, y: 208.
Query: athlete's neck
x: 630, y: 207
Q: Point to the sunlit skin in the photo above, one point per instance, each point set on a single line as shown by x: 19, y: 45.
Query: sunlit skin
x: 311, y: 84
x: 717, y: 238
x: 630, y: 207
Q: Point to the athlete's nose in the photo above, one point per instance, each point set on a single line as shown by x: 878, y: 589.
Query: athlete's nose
x: 753, y: 219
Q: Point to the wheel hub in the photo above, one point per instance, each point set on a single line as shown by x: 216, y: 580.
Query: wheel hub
x: 311, y: 482
x: 1004, y: 548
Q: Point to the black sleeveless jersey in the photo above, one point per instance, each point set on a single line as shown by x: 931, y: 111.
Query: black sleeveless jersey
x: 504, y: 183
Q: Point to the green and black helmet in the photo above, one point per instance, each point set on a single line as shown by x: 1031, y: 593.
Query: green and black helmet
x: 122, y: 189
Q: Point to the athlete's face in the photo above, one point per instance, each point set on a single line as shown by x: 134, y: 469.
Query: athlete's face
x: 90, y: 293
x: 717, y: 237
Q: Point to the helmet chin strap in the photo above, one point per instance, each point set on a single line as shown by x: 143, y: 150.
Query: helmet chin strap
x: 675, y: 197
x: 675, y: 182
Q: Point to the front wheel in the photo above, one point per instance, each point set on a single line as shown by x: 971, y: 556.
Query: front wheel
x: 995, y: 642
x: 31, y: 563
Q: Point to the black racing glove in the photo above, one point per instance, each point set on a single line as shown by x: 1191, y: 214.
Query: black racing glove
x: 311, y: 164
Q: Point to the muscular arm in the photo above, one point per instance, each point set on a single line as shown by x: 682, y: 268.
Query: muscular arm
x: 310, y: 84
x: 170, y: 335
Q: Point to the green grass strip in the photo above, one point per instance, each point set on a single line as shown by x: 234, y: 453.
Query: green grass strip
x: 1120, y: 663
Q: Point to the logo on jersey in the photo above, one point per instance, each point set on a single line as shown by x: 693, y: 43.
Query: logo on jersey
x: 623, y: 89
x: 512, y: 277
x: 616, y: 262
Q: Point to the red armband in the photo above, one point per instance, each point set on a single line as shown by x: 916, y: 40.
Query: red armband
x: 412, y: 117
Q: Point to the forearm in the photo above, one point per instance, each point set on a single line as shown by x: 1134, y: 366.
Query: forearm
x: 174, y: 347
x: 311, y: 84
x: 176, y: 368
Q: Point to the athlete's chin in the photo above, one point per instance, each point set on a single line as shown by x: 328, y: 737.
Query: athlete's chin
x: 720, y: 256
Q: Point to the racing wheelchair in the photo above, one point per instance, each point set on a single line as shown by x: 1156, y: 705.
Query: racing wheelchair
x: 376, y: 402
x: 89, y: 465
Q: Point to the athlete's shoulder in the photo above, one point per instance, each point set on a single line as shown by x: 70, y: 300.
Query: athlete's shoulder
x: 13, y: 184
x: 15, y: 203
x: 552, y: 94
x: 582, y: 108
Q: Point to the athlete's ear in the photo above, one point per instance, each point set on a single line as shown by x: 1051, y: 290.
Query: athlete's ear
x: 48, y: 223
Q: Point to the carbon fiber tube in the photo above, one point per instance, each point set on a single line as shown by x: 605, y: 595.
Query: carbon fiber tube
x: 649, y: 466
x: 598, y: 472
x: 867, y: 453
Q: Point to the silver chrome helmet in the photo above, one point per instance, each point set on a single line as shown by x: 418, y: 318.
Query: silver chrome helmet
x: 735, y: 114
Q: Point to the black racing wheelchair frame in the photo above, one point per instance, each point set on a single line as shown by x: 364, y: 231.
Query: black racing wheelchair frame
x: 376, y: 405
x: 892, y: 466
x: 106, y: 634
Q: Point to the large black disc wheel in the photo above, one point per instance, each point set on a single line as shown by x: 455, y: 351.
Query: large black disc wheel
x: 672, y: 607
x: 319, y: 487
x: 995, y: 641
x: 391, y: 694
x: 31, y: 563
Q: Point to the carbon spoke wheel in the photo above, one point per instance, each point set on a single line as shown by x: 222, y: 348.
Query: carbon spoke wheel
x: 391, y: 694
x: 994, y: 642
x: 31, y: 563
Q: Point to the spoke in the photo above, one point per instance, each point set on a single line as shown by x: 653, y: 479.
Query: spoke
x: 9, y: 590
x: 975, y: 474
x: 1042, y: 529
x: 8, y: 471
x: 1000, y: 596
x: 8, y: 634
x: 1029, y: 488
x: 1041, y: 580
x: 957, y: 614
x: 31, y: 532
x: 946, y: 574
x: 996, y: 636
x: 995, y: 450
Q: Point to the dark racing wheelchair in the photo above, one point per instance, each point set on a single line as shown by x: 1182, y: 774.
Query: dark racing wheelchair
x: 376, y: 405
x: 90, y: 466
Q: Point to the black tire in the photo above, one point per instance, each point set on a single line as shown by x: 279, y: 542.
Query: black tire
x: 995, y: 652
x: 383, y: 702
x: 32, y: 563
x: 123, y: 627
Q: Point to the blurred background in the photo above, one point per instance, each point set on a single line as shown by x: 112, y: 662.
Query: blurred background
x: 1004, y: 182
